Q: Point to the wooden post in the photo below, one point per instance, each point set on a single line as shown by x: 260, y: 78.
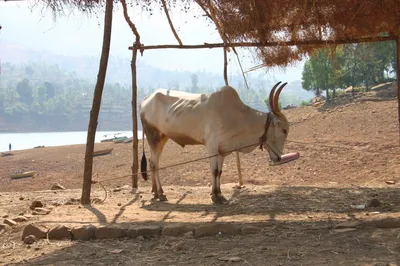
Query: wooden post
x: 237, y: 153
x: 398, y: 77
x: 135, y: 164
x: 94, y: 113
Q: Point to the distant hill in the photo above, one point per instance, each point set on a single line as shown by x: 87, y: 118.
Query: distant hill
x: 148, y: 76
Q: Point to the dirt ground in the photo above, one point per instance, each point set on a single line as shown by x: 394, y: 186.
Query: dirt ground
x: 349, y: 156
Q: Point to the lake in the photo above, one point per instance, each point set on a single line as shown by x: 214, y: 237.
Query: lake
x: 22, y: 141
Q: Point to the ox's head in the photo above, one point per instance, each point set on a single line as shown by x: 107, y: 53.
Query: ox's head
x: 276, y: 127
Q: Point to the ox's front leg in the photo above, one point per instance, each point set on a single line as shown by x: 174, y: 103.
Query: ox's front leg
x: 216, y: 171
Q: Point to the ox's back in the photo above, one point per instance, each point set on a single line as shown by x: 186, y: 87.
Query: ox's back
x: 187, y: 118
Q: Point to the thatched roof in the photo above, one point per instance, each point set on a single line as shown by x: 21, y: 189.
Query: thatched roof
x: 282, y: 20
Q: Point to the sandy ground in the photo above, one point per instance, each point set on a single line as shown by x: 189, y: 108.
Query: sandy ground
x: 349, y: 155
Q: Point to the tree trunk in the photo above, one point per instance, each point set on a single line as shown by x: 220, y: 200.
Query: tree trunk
x: 135, y: 164
x: 94, y: 113
x: 398, y: 76
x: 328, y: 100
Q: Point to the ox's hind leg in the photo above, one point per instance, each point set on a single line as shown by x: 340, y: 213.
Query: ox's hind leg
x: 156, y: 142
x: 154, y: 165
x: 216, y: 164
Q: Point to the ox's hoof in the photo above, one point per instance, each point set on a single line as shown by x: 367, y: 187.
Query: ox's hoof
x: 163, y: 198
x: 218, y: 199
x: 160, y: 198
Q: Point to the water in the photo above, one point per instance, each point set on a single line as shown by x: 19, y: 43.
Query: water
x: 22, y: 141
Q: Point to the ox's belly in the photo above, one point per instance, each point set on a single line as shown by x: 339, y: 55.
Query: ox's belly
x: 182, y: 139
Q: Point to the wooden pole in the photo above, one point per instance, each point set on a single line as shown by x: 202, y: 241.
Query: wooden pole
x: 135, y: 165
x: 398, y: 77
x: 269, y: 44
x: 135, y: 154
x: 94, y: 113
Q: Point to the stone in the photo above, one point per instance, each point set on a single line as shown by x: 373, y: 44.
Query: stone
x: 4, y: 228
x: 176, y: 229
x: 374, y: 203
x: 108, y: 232
x: 30, y: 239
x: 383, y: 223
x: 146, y: 230
x: 20, y: 219
x: 117, y: 189
x: 10, y: 222
x: 250, y: 229
x: 86, y: 232
x: 60, y: 232
x: 348, y: 224
x: 57, y: 186
x: 36, y: 204
x: 40, y: 231
x: 213, y: 229
x: 41, y: 211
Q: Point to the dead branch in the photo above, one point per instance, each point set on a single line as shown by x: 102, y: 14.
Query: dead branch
x: 170, y: 22
x: 225, y: 67
x: 130, y: 23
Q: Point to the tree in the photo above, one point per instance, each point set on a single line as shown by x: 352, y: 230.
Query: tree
x: 195, y: 82
x: 94, y: 113
x: 25, y: 91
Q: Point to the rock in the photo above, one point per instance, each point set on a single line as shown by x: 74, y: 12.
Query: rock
x: 390, y: 182
x: 117, y: 189
x: 126, y: 187
x: 344, y: 230
x: 213, y: 229
x: 107, y: 232
x: 20, y: 219
x: 250, y: 229
x: 5, y: 216
x: 147, y: 230
x: 176, y: 229
x: 374, y: 203
x: 86, y: 232
x: 40, y: 231
x: 140, y: 238
x: 57, y: 186
x: 3, y: 228
x: 21, y: 198
x: 36, y: 204
x: 383, y: 223
x: 30, y: 239
x: 10, y: 222
x: 348, y: 224
x: 231, y: 259
x: 60, y: 232
x: 41, y: 211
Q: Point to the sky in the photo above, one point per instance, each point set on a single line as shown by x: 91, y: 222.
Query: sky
x: 77, y: 34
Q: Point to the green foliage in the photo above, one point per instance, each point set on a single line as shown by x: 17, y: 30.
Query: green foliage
x: 364, y: 64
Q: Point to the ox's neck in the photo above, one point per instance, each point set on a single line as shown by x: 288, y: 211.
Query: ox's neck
x: 247, y: 131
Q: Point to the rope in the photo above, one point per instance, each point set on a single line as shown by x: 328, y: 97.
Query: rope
x: 181, y: 163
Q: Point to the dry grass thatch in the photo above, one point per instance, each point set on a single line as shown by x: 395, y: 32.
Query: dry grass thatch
x: 281, y: 20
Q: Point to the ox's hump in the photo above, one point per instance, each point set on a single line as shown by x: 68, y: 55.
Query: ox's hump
x: 228, y: 94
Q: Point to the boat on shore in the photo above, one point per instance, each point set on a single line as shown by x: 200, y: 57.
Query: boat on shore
x: 111, y: 139
x: 120, y: 139
x: 128, y: 140
x: 21, y: 174
x: 102, y: 152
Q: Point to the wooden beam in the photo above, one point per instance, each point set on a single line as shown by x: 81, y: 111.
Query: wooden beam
x: 268, y: 44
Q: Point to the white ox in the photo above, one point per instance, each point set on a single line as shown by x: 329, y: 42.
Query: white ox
x: 220, y: 121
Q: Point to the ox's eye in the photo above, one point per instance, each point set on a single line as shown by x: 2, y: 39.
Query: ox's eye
x: 284, y: 131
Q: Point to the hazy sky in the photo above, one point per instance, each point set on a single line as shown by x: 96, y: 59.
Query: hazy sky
x: 78, y: 34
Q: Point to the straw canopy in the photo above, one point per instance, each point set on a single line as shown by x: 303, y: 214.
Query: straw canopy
x: 270, y: 21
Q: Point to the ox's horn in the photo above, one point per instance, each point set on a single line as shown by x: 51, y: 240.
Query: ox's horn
x: 277, y: 111
x: 271, y: 98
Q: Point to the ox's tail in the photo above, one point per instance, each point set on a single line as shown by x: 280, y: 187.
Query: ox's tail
x: 143, y: 163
